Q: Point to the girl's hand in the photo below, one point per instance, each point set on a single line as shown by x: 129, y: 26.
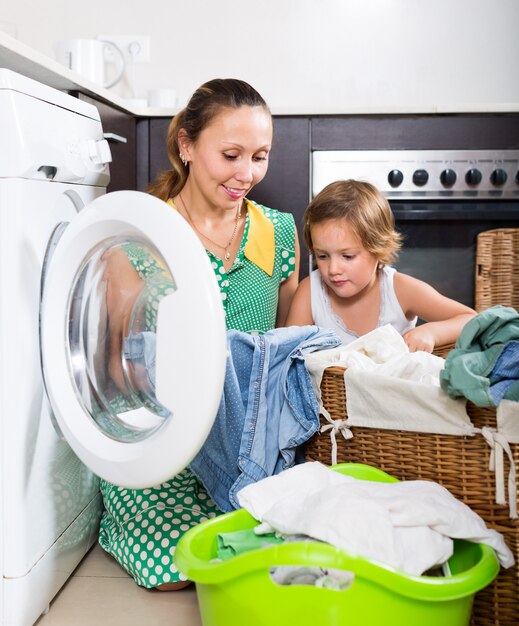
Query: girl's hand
x: 420, y: 338
x: 445, y: 317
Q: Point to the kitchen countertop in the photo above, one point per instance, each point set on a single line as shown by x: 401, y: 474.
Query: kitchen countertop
x: 21, y: 58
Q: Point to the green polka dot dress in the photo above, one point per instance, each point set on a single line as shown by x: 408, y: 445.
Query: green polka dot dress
x: 141, y: 527
x: 249, y: 294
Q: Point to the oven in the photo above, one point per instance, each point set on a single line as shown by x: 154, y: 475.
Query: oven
x: 441, y: 200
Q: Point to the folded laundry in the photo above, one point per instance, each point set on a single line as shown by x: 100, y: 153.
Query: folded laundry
x: 483, y: 367
x: 408, y: 525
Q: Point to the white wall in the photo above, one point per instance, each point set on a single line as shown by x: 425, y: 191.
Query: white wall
x: 304, y: 55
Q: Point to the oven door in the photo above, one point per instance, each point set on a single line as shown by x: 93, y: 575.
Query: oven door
x: 440, y: 240
x: 133, y: 354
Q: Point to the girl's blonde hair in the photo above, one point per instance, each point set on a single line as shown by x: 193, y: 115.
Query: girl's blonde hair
x: 207, y: 101
x: 366, y: 211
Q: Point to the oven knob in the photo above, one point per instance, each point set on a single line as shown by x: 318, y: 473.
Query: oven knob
x: 473, y: 177
x: 395, y: 178
x: 498, y: 177
x: 448, y: 178
x: 420, y: 177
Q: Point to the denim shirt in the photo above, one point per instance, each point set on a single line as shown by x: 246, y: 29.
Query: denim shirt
x: 268, y: 409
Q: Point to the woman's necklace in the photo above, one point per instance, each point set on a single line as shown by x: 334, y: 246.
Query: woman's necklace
x: 227, y: 254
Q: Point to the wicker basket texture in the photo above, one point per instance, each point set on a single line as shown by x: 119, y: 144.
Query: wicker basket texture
x: 497, y: 269
x: 458, y: 463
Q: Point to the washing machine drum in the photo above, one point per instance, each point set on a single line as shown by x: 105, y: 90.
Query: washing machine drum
x: 133, y: 339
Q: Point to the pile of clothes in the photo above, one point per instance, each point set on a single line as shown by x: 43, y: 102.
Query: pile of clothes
x: 408, y: 525
x: 484, y: 366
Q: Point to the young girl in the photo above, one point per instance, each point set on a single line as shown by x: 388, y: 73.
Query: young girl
x: 349, y: 228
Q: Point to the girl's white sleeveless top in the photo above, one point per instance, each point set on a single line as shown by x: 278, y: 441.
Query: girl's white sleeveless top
x: 390, y: 309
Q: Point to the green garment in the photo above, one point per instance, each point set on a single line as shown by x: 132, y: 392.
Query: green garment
x: 468, y: 367
x: 250, y: 295
x: 239, y: 541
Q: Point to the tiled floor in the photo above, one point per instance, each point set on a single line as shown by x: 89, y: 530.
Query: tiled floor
x: 100, y: 593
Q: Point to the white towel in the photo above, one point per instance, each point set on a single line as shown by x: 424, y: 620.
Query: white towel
x: 408, y: 525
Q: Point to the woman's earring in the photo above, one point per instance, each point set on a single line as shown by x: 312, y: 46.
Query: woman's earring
x: 183, y: 159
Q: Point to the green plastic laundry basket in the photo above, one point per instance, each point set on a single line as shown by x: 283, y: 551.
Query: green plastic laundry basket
x: 240, y: 592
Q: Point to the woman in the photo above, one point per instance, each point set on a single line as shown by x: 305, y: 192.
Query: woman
x: 219, y: 148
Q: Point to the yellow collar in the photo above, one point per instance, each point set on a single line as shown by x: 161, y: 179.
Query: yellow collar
x: 260, y: 248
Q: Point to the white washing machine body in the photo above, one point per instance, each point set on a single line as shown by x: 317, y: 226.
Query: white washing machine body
x: 50, y: 502
x: 59, y: 429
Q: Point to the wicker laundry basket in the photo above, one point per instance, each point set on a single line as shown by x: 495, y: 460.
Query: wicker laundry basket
x: 459, y: 463
x: 497, y: 269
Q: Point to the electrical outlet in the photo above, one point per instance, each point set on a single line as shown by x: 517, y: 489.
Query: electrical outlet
x: 135, y: 48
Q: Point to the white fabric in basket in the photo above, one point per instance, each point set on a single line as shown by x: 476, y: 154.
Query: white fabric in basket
x: 408, y: 525
x: 378, y: 345
x: 508, y: 420
x: 389, y: 387
x: 380, y: 400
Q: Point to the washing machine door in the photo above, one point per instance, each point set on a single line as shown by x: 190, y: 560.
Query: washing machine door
x: 133, y: 339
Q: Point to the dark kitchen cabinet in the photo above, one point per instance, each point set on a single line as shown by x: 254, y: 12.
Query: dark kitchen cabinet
x: 286, y: 186
x: 477, y: 131
x: 152, y: 155
x: 123, y: 169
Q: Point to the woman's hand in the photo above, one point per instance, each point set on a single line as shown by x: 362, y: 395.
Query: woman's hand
x: 123, y: 286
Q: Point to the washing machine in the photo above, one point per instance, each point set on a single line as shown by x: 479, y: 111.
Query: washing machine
x: 73, y: 407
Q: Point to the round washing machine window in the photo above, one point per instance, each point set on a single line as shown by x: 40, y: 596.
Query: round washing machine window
x: 112, y: 330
